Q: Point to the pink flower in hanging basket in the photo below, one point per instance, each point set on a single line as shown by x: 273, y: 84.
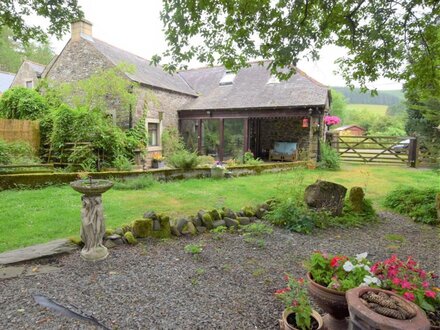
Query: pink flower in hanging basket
x: 332, y: 120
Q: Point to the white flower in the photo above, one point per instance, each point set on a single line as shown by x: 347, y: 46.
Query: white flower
x: 361, y: 256
x: 367, y: 268
x: 371, y: 280
x: 348, y: 266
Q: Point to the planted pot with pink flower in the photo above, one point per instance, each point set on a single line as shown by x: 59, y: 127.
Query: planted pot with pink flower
x: 407, y: 279
x: 298, y: 312
x: 330, y: 276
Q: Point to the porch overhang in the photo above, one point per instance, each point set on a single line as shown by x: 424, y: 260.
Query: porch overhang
x: 274, y: 112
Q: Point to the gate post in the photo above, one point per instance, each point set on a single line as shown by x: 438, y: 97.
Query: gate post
x: 412, y: 152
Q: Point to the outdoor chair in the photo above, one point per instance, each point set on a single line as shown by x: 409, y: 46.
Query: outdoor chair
x: 283, y: 151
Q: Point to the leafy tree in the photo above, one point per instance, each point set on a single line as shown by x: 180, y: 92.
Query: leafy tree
x: 398, y: 109
x: 14, y: 14
x: 96, y: 92
x: 379, y: 34
x: 22, y: 103
x: 12, y: 52
x: 339, y: 105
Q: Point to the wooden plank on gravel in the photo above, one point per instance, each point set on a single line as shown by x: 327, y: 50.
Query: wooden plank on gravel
x: 37, y: 251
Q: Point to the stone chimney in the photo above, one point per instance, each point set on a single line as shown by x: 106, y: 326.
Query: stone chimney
x: 81, y: 28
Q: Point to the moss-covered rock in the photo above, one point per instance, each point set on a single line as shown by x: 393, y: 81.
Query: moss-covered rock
x: 119, y: 231
x: 356, y: 199
x: 244, y: 221
x: 174, y: 231
x: 222, y: 214
x: 219, y: 223
x: 142, y: 228
x: 189, y: 229
x: 207, y: 221
x: 248, y: 211
x: 126, y: 228
x: 215, y: 215
x: 76, y: 240
x: 165, y: 228
x: 108, y: 232
x: 228, y: 213
x: 195, y: 220
x: 231, y: 222
x: 130, y: 238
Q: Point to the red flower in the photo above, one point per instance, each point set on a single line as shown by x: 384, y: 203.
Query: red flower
x: 425, y: 284
x: 409, y: 296
x: 430, y: 294
x: 301, y: 280
x: 406, y: 285
x: 396, y: 281
x: 335, y: 261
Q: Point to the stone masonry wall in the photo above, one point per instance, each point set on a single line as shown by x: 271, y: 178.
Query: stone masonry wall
x: 25, y: 73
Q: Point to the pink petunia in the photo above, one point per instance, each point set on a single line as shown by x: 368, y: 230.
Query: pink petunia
x: 430, y: 294
x: 406, y: 285
x: 396, y: 281
x: 409, y: 296
x: 425, y: 284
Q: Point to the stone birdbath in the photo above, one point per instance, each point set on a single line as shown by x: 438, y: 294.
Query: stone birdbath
x: 92, y: 217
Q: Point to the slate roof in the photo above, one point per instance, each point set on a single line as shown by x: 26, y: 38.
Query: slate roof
x: 38, y: 68
x: 145, y: 73
x: 251, y: 90
x: 6, y: 79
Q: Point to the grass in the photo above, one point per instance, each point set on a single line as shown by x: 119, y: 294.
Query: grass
x: 378, y: 109
x: 30, y: 217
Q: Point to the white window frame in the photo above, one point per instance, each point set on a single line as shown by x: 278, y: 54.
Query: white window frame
x: 29, y: 80
x: 227, y: 79
x: 159, y: 137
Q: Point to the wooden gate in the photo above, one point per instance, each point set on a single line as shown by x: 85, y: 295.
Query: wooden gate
x: 376, y: 149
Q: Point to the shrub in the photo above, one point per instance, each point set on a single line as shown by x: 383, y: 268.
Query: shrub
x: 22, y: 103
x: 17, y: 152
x: 206, y: 160
x: 419, y: 204
x: 139, y: 183
x: 84, y: 157
x: 122, y: 163
x: 292, y: 215
x: 329, y: 158
x: 172, y: 142
x: 248, y: 159
x: 183, y: 159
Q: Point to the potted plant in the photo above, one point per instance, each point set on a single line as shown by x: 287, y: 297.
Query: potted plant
x: 407, y: 279
x: 218, y: 170
x: 330, y: 276
x: 157, y: 160
x: 298, y: 312
x: 372, y: 308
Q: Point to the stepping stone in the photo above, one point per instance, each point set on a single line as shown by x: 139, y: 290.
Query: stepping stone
x: 41, y: 269
x: 11, y: 272
x: 37, y: 251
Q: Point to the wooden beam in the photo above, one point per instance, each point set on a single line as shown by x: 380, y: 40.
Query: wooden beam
x: 199, y: 137
x: 246, y: 135
x: 222, y: 139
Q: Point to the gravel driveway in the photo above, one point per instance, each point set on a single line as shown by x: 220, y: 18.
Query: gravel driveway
x: 156, y: 285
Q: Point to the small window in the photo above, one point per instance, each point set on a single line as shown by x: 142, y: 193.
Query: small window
x: 29, y: 84
x: 273, y: 80
x: 153, y: 134
x: 227, y: 79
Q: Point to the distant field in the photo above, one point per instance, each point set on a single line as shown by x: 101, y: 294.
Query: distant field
x: 379, y: 109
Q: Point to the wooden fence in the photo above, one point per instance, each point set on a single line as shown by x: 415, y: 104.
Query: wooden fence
x: 398, y: 150
x: 12, y: 130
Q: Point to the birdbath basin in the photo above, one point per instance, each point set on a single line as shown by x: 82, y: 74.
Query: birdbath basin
x: 92, y: 217
x: 91, y: 187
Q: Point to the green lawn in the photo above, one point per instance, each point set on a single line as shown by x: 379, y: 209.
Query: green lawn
x: 29, y: 217
x: 378, y: 109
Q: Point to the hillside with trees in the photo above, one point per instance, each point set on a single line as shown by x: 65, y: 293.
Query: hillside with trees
x: 384, y: 97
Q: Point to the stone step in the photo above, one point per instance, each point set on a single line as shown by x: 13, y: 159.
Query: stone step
x: 37, y: 251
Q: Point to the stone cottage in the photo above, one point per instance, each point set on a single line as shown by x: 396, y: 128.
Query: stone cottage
x: 218, y: 112
x: 28, y: 74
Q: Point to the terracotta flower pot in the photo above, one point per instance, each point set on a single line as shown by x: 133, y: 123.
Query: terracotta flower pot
x: 285, y: 325
x: 332, y: 302
x: 362, y: 317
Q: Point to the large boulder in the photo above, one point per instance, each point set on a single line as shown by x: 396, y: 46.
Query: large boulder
x: 325, y: 196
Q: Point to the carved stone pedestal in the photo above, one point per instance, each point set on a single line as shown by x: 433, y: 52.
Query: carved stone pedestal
x: 92, y: 228
x: 92, y: 218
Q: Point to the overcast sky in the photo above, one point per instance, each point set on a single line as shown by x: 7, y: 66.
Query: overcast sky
x: 135, y: 26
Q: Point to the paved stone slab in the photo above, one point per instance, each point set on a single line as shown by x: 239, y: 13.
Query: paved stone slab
x: 37, y: 251
x: 11, y: 272
x: 41, y: 269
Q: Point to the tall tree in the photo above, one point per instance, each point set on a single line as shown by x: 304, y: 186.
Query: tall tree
x: 378, y: 34
x: 15, y: 15
x: 12, y: 52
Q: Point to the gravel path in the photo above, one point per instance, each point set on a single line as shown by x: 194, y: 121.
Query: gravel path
x: 156, y: 285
